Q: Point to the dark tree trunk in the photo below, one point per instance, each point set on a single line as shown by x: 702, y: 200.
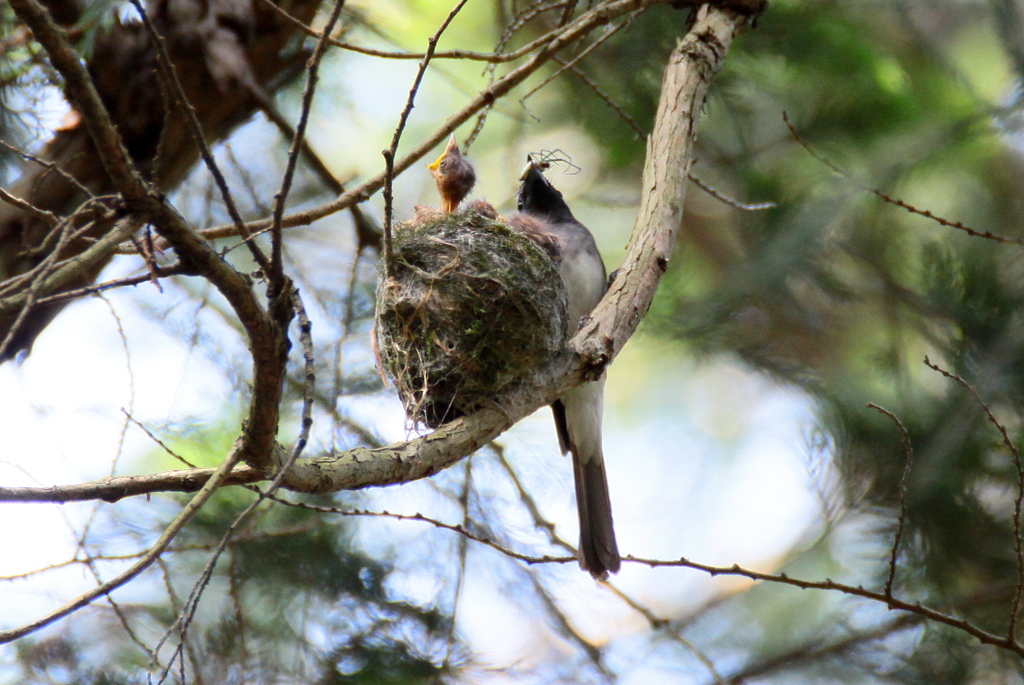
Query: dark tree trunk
x: 229, y: 54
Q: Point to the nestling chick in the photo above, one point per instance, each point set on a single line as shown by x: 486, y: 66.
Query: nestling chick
x: 454, y: 176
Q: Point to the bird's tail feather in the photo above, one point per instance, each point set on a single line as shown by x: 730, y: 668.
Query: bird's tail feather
x: 598, y: 551
x: 578, y: 420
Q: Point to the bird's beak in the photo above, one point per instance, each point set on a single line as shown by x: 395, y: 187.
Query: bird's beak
x: 453, y: 146
x: 532, y: 166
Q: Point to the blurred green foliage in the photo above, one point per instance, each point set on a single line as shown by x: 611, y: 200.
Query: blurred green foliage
x: 843, y: 294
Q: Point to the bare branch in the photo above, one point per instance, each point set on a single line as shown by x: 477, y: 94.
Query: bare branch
x: 47, y: 216
x: 156, y: 272
x: 276, y: 274
x: 908, y: 450
x: 491, y: 57
x: 184, y: 516
x: 49, y: 166
x: 455, y: 528
x: 964, y: 625
x: 895, y: 201
x: 389, y: 154
x: 1020, y: 490
x: 119, y: 487
x: 309, y: 376
x: 571, y: 64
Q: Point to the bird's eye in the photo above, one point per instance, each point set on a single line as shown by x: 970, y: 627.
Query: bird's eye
x: 519, y: 206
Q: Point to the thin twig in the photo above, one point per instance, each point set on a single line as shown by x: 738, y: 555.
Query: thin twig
x: 389, y: 154
x: 276, y: 273
x: 170, y: 75
x: 732, y: 202
x: 158, y: 271
x: 49, y: 166
x: 157, y: 440
x: 608, y: 100
x: 170, y: 550
x: 566, y: 65
x: 908, y: 450
x: 183, y: 517
x: 46, y: 267
x: 48, y: 217
x: 895, y: 201
x: 455, y: 528
x: 309, y: 375
x: 964, y: 625
x: 496, y: 57
x: 1020, y: 489
x: 642, y: 133
x: 520, y: 20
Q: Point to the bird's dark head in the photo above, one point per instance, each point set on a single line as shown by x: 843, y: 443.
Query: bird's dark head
x: 538, y: 197
x: 454, y: 175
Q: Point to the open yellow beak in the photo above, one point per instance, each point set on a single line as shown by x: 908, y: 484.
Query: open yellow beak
x: 452, y: 145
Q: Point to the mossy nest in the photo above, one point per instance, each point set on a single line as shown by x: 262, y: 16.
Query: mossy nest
x: 472, y: 308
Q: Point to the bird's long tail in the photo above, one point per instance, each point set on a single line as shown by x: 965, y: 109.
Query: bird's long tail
x: 578, y: 420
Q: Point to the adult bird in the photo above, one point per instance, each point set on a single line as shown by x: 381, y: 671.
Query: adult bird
x: 578, y: 412
x: 454, y: 176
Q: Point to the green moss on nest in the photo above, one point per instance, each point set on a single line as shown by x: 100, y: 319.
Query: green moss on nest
x: 471, y: 308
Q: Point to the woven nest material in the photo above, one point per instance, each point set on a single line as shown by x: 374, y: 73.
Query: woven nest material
x: 472, y: 307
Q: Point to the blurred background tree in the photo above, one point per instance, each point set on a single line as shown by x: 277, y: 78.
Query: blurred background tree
x: 773, y: 329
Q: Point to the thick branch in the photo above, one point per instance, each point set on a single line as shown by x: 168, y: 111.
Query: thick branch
x: 113, y: 489
x: 81, y: 91
x: 691, y: 67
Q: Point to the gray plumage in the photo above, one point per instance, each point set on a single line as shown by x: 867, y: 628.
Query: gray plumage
x: 578, y: 413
